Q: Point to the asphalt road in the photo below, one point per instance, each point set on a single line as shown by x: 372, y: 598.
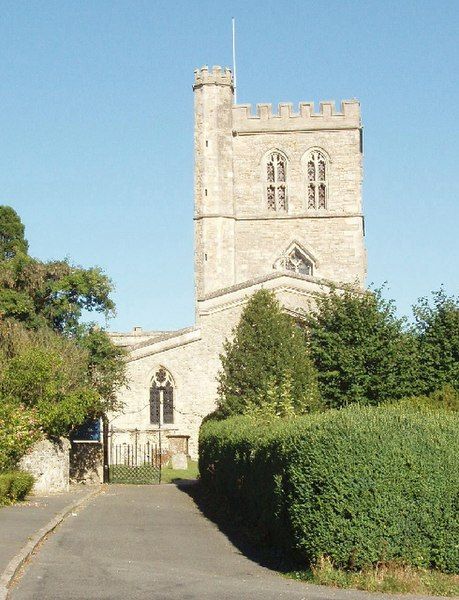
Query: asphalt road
x: 139, y: 542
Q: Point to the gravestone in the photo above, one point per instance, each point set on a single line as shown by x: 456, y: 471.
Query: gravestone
x: 179, y: 461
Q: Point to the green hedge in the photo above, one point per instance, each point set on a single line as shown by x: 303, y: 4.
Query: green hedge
x: 360, y: 485
x: 14, y: 486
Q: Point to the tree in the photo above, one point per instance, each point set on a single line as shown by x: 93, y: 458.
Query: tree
x: 12, y: 239
x: 437, y: 328
x: 106, y: 365
x: 53, y: 294
x: 46, y: 375
x: 362, y: 351
x: 267, y: 354
x: 55, y: 371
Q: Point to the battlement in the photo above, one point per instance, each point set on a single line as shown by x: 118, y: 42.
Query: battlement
x: 286, y: 119
x: 216, y: 76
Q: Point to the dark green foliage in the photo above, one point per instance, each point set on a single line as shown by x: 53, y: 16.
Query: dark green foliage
x: 361, y: 486
x: 437, y: 327
x: 14, y: 486
x: 55, y: 372
x: 267, y: 349
x: 362, y: 351
x: 16, y: 305
x: 52, y: 294
x: 106, y: 364
x: 12, y: 239
x: 61, y: 382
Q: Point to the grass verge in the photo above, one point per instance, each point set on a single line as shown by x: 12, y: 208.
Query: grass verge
x: 391, y: 578
x: 169, y: 475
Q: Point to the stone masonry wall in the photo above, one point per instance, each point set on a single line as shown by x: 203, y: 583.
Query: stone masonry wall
x: 86, y: 462
x: 48, y: 462
x: 237, y: 237
x: 194, y: 367
x: 333, y: 236
x: 214, y: 232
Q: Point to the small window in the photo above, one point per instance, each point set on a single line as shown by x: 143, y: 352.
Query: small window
x: 317, y: 171
x: 296, y: 260
x: 276, y: 182
x: 162, y: 398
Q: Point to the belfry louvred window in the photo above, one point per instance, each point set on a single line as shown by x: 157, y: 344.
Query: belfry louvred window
x: 162, y: 398
x: 276, y: 182
x: 317, y: 180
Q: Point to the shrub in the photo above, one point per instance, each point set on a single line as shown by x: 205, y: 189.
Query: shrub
x: 18, y: 431
x: 437, y: 328
x: 362, y: 351
x: 46, y: 375
x: 267, y: 352
x: 21, y: 485
x: 361, y: 486
x: 446, y: 398
x: 14, y: 486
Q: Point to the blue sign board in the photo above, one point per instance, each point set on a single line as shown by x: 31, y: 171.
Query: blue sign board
x: 88, y: 432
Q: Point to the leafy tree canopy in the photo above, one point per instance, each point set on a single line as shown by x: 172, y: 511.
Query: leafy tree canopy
x: 106, y: 365
x: 267, y: 358
x: 362, y: 351
x: 55, y: 371
x: 12, y: 239
x: 52, y: 294
x: 437, y: 328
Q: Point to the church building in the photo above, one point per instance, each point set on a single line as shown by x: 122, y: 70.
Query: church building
x: 277, y: 206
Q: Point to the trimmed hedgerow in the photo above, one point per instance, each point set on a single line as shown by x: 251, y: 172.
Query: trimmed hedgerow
x: 14, y: 486
x: 360, y: 486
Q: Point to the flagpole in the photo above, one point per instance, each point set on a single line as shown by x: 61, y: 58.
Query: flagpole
x: 234, y: 59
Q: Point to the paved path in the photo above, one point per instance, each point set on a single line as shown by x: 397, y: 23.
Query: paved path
x: 19, y: 523
x: 152, y: 542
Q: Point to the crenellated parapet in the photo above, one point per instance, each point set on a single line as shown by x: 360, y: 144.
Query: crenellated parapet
x: 304, y: 119
x: 214, y: 76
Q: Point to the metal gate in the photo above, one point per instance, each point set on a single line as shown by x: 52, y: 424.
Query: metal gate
x: 134, y: 463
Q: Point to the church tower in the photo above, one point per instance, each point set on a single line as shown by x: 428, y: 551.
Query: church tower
x: 277, y: 206
x: 214, y: 210
x: 275, y: 192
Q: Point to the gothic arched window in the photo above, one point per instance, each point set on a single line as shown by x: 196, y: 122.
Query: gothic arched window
x: 162, y: 398
x: 317, y: 180
x: 276, y: 182
x: 296, y: 260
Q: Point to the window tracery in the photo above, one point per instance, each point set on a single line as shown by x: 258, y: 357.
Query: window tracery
x: 276, y: 182
x: 295, y: 260
x: 317, y: 180
x: 162, y: 398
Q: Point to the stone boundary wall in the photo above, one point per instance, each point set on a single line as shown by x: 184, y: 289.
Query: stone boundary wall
x: 48, y: 462
x: 87, y: 462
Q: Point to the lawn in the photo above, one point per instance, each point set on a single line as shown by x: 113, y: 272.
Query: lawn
x: 169, y: 475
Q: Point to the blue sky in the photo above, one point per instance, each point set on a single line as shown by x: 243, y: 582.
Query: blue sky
x: 97, y: 129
